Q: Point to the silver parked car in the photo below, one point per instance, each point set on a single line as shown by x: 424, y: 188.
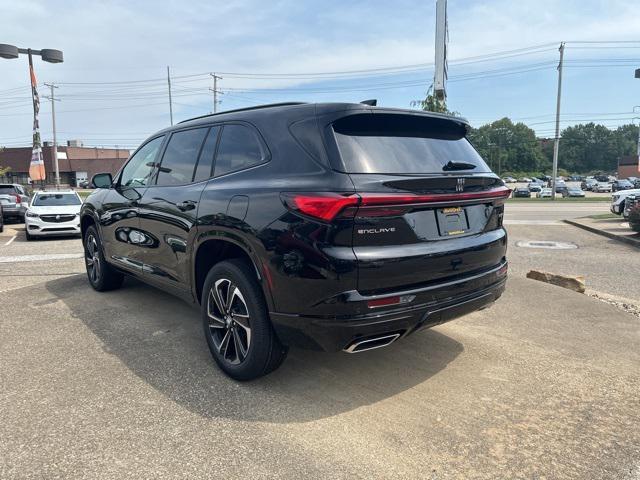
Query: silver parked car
x: 14, y: 200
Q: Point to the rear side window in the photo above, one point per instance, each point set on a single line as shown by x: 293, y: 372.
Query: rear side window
x: 205, y: 162
x: 388, y: 143
x: 180, y: 157
x: 7, y: 189
x: 239, y: 148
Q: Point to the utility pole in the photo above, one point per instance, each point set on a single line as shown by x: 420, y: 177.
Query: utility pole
x: 556, y: 143
x: 170, y: 102
x: 55, y: 140
x: 215, y: 91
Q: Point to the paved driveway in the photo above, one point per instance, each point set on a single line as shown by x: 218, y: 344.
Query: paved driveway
x: 121, y: 385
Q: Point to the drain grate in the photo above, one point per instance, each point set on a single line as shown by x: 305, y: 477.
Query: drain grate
x: 546, y: 244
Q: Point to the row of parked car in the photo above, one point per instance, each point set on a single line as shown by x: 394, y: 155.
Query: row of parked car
x: 44, y: 213
x: 540, y: 188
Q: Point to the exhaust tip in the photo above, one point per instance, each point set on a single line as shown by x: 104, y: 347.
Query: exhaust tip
x: 371, y: 343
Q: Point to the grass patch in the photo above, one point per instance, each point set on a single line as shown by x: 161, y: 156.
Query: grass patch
x: 84, y: 193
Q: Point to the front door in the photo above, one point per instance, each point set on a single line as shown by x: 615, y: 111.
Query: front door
x: 121, y: 235
x: 168, y: 208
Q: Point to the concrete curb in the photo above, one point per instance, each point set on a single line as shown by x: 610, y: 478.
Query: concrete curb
x: 624, y: 239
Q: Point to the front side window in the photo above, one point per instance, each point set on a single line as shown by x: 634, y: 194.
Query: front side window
x: 139, y: 168
x: 180, y: 157
x: 56, y: 199
x: 239, y: 148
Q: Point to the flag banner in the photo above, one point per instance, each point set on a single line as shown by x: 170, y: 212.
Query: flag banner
x: 36, y: 168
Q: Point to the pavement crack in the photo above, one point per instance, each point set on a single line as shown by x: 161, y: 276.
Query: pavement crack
x: 617, y: 302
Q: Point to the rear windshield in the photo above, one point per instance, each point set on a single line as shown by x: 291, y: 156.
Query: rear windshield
x: 56, y: 200
x: 7, y: 189
x: 388, y: 143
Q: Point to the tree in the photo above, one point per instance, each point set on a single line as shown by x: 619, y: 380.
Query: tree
x: 509, y: 147
x: 432, y: 104
x: 3, y: 170
x: 588, y: 147
x: 625, y: 140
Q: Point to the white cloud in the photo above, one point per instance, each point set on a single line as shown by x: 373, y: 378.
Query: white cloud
x: 115, y: 41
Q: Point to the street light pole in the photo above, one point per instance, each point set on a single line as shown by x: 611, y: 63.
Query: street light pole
x: 215, y: 91
x: 170, y: 101
x: 55, y: 140
x: 47, y: 55
x: 556, y: 142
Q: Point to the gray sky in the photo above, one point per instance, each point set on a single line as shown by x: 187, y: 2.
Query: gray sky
x: 131, y: 43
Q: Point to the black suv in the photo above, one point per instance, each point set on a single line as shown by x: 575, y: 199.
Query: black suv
x: 324, y: 226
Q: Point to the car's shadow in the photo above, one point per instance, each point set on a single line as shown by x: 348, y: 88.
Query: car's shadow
x: 159, y: 338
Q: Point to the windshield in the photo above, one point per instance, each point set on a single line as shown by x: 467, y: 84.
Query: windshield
x: 56, y: 199
x: 390, y: 143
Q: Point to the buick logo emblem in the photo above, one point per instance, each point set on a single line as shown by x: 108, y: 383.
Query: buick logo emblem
x: 57, y: 217
x: 460, y: 185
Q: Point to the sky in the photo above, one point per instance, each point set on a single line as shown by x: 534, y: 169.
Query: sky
x: 112, y: 87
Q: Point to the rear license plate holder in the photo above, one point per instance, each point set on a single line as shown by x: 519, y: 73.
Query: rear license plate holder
x: 452, y: 221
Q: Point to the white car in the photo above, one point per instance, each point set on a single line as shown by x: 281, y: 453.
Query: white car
x: 618, y: 200
x: 545, y: 193
x: 53, y: 213
x: 601, y: 187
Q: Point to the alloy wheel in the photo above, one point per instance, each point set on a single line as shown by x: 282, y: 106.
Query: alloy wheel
x: 229, y: 323
x: 92, y: 259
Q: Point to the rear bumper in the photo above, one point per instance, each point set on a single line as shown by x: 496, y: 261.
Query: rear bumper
x: 432, y: 306
x: 17, y: 211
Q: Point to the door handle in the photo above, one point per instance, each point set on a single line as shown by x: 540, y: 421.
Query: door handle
x: 186, y: 205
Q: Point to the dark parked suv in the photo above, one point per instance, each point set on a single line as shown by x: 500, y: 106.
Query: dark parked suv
x: 324, y: 226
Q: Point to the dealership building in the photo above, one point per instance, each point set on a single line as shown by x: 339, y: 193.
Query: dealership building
x: 76, y: 162
x: 628, y: 167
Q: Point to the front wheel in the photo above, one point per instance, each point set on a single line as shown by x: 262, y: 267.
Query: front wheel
x: 102, y: 276
x: 236, y: 322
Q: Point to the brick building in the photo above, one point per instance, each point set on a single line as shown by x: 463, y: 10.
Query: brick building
x: 628, y: 167
x: 76, y: 163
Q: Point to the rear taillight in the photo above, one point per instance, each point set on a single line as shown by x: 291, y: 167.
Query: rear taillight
x: 327, y: 206
x: 18, y: 199
x: 324, y: 206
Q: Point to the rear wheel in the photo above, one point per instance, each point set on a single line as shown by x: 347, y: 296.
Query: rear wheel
x: 102, y: 276
x: 236, y: 323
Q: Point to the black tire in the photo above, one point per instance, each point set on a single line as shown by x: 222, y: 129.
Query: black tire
x: 29, y: 236
x: 101, y: 275
x: 252, y: 347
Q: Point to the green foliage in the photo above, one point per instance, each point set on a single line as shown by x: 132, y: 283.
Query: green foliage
x: 431, y: 104
x: 513, y: 149
x: 509, y: 146
x: 3, y: 170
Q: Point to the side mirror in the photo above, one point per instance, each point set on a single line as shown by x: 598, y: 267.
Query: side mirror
x: 102, y: 180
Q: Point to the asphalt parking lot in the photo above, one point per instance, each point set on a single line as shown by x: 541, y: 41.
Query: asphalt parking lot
x: 544, y: 384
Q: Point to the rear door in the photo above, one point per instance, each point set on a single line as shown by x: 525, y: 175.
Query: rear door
x: 430, y: 209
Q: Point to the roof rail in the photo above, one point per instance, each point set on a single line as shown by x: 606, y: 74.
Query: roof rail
x: 256, y: 107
